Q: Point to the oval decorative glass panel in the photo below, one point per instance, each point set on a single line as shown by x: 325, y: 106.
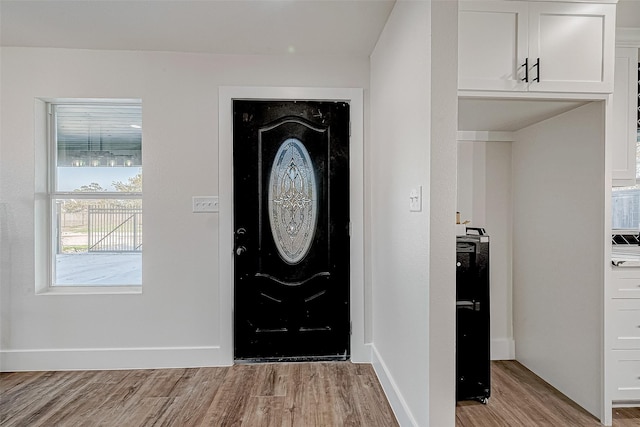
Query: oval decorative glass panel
x: 293, y: 208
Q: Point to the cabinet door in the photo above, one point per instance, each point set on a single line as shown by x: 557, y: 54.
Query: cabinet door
x: 575, y: 43
x: 625, y: 324
x: 624, y: 375
x: 492, y: 45
x: 624, y: 136
x: 626, y: 282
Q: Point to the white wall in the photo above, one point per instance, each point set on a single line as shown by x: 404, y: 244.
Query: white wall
x: 499, y: 225
x: 628, y: 13
x: 471, y: 191
x: 442, y: 207
x: 174, y: 322
x: 485, y: 198
x: 558, y: 269
x: 413, y: 352
x: 400, y: 111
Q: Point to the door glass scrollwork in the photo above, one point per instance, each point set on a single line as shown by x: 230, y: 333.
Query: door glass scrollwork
x: 293, y: 208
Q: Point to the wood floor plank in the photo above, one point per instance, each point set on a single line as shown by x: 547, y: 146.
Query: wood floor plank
x: 152, y: 399
x: 346, y: 393
x: 232, y: 398
x: 374, y: 407
x: 270, y: 380
x: 16, y: 390
x: 294, y: 385
x: 117, y: 397
x: 144, y: 412
x: 626, y: 417
x: 165, y: 382
x: 10, y: 382
x: 36, y: 403
x: 80, y: 403
x: 187, y: 411
x: 315, y: 408
x: 264, y: 411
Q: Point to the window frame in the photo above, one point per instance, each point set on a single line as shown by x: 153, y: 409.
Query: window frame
x: 632, y: 230
x: 46, y: 204
x: 636, y: 187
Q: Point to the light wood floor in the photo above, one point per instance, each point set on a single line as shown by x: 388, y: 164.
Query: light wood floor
x: 299, y: 394
x: 521, y: 398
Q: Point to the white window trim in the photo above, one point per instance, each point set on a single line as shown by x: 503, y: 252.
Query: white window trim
x: 45, y: 196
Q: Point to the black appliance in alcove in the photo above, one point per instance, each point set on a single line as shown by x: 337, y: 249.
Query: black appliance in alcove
x: 473, y: 368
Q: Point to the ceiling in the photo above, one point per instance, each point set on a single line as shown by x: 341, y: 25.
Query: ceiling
x: 302, y: 27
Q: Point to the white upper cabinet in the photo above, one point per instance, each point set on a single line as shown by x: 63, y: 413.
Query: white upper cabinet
x: 575, y: 43
x: 624, y: 133
x: 536, y: 46
x: 492, y: 45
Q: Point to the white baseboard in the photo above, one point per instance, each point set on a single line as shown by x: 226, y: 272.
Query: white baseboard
x: 503, y: 349
x: 625, y: 403
x: 395, y: 398
x: 109, y: 358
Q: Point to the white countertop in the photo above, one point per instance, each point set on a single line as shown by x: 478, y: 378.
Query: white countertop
x: 625, y: 255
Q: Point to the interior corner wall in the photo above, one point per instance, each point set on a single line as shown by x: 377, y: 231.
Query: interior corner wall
x: 400, y: 147
x: 499, y: 225
x: 558, y: 269
x: 175, y: 321
x: 471, y: 190
x: 484, y: 196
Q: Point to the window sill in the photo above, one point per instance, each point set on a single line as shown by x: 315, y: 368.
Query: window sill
x: 91, y: 290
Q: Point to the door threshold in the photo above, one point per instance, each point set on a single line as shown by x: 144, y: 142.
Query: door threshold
x: 292, y: 359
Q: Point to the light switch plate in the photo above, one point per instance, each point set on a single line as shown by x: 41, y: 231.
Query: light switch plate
x: 415, y: 199
x: 205, y: 204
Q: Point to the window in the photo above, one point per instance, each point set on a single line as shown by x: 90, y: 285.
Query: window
x: 625, y: 201
x: 95, y: 194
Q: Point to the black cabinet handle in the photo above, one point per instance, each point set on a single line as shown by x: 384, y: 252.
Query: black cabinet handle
x: 537, y: 65
x: 526, y: 70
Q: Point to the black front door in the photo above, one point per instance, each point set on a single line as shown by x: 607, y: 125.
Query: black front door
x: 291, y: 220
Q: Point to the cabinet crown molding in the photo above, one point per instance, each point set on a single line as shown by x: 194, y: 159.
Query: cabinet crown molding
x: 628, y: 37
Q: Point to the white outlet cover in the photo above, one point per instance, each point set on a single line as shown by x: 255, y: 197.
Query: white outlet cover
x: 205, y: 204
x: 415, y: 199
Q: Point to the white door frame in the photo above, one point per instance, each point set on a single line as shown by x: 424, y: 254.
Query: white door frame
x: 360, y: 351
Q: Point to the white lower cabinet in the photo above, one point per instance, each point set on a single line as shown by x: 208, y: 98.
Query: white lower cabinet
x: 626, y: 284
x: 625, y: 324
x: 626, y: 375
x: 624, y: 334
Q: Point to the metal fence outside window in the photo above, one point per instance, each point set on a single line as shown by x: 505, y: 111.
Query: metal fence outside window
x: 114, y: 229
